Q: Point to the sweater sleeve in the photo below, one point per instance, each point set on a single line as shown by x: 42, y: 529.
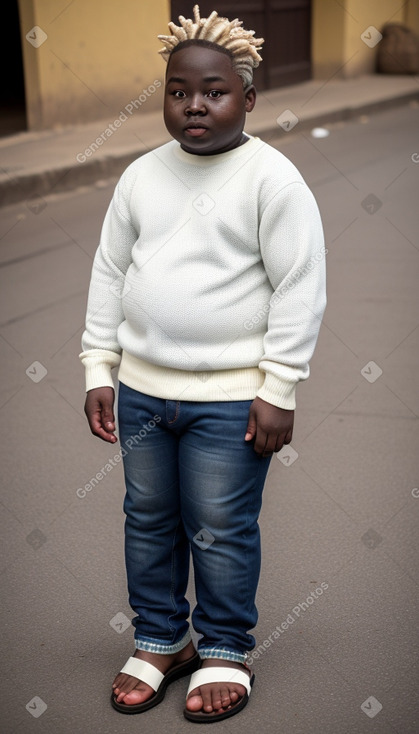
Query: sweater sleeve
x: 101, y: 351
x: 293, y: 253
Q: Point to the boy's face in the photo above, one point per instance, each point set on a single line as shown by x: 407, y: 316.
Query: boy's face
x: 205, y: 103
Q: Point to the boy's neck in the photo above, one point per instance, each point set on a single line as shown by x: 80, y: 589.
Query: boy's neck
x: 244, y: 138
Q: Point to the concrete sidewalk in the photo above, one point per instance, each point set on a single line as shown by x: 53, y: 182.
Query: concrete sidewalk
x: 338, y: 597
x: 40, y: 163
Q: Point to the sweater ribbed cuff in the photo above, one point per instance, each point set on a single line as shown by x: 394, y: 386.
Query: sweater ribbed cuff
x: 278, y: 392
x: 98, y: 364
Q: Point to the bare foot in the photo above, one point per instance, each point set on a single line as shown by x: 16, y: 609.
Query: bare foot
x: 130, y: 690
x: 215, y: 696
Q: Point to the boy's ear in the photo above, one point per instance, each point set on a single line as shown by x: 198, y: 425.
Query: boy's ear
x: 250, y: 97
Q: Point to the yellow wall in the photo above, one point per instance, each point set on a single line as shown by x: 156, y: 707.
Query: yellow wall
x: 98, y: 56
x: 93, y: 63
x: 337, y: 47
x: 412, y: 15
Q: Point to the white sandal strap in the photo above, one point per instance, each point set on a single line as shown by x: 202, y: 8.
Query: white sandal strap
x: 219, y: 675
x: 143, y: 671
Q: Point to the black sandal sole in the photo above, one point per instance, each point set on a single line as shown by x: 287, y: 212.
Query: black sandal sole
x: 202, y: 718
x: 179, y: 671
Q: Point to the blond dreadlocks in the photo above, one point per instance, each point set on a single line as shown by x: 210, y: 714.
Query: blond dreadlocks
x: 229, y: 35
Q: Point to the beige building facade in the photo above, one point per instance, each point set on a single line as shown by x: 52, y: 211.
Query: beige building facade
x: 343, y: 33
x: 88, y: 60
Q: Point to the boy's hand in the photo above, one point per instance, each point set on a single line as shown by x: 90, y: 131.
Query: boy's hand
x: 270, y: 426
x: 99, y: 410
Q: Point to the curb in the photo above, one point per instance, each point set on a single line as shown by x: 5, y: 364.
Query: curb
x: 32, y: 186
x: 35, y: 185
x: 341, y: 114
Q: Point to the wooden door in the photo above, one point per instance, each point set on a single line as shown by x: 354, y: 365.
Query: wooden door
x: 284, y: 24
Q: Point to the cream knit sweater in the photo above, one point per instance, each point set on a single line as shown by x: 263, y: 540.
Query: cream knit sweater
x: 209, y: 279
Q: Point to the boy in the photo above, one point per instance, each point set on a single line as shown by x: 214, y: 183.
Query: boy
x: 203, y: 294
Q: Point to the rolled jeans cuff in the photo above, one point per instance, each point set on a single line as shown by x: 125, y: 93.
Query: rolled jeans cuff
x: 222, y: 654
x: 160, y: 647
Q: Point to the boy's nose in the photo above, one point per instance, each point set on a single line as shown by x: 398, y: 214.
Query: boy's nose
x: 196, y: 105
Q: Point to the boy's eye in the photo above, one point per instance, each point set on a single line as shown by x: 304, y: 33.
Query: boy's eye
x: 213, y: 94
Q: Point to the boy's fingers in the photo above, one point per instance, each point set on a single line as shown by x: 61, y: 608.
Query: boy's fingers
x: 108, y: 423
x: 278, y: 444
x: 110, y: 437
x: 251, y: 428
x: 271, y: 446
x: 261, y: 445
x: 95, y: 423
x: 108, y: 419
x: 105, y: 425
x: 99, y: 410
x: 105, y: 435
x: 277, y: 431
x: 270, y: 443
x: 288, y: 437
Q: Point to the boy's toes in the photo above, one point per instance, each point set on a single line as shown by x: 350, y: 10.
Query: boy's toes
x: 210, y: 698
x: 206, y: 699
x: 136, y: 696
x: 225, y: 699
x: 194, y: 702
x: 201, y: 699
x: 131, y: 691
x: 220, y: 698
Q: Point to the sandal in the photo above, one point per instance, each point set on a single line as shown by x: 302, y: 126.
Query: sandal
x: 219, y: 675
x: 149, y: 674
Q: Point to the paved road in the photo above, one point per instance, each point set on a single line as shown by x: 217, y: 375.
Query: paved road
x: 339, y: 584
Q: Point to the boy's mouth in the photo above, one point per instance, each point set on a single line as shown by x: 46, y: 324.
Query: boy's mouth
x: 195, y: 130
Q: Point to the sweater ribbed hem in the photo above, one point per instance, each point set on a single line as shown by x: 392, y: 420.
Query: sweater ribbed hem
x: 172, y: 384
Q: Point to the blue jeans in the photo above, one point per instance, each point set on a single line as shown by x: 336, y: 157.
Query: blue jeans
x: 193, y: 484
